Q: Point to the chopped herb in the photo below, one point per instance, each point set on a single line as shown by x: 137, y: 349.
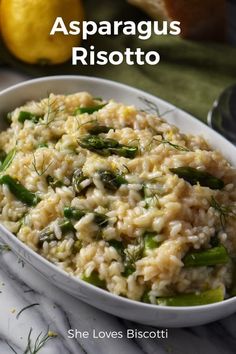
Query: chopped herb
x: 150, y: 195
x: 54, y: 183
x: 94, y: 279
x: 19, y: 191
x: 149, y: 242
x: 89, y: 110
x: 8, y: 160
x: 73, y: 213
x: 145, y: 298
x: 194, y: 176
x: 23, y: 116
x: 111, y: 180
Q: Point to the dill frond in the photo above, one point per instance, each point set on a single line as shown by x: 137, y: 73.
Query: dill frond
x: 224, y: 211
x: 175, y: 146
x: 44, y: 168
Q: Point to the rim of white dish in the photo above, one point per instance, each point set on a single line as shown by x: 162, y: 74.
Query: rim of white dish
x: 72, y: 277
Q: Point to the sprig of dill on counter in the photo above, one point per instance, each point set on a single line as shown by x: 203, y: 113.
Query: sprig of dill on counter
x: 39, y: 343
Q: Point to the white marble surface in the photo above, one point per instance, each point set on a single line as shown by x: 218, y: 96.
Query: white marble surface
x: 21, y: 286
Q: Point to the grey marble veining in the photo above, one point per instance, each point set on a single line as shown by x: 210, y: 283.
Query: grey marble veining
x: 20, y: 286
x: 54, y: 310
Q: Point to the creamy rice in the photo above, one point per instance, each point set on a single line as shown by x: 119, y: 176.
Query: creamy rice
x: 107, y: 242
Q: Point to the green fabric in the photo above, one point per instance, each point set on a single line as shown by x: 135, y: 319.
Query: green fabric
x: 190, y: 75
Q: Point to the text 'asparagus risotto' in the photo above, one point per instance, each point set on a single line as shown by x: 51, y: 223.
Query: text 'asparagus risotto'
x: 121, y: 199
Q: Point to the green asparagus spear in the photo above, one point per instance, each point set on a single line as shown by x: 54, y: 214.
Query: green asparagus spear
x: 72, y: 213
x: 214, y: 241
x: 77, y: 178
x: 19, y: 191
x: 47, y: 234
x: 94, y: 279
x: 193, y: 299
x: 125, y: 151
x: 210, y: 257
x: 8, y: 160
x: 128, y: 270
x: 106, y: 147
x: 97, y: 143
x: 98, y: 129
x: 194, y: 176
x: 111, y: 180
x: 66, y: 226
x: 42, y: 145
x: 100, y: 219
x: 118, y: 245
x: 150, y: 242
x: 23, y: 116
x: 145, y: 298
x: 54, y: 183
x: 89, y: 110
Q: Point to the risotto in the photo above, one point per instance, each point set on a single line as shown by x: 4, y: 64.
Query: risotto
x: 118, y: 197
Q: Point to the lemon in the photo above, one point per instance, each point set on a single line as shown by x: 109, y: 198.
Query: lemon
x: 26, y: 27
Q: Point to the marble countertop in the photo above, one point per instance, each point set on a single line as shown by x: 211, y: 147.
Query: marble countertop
x: 46, y: 309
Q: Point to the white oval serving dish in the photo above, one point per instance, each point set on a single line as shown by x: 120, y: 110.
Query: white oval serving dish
x: 119, y: 306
